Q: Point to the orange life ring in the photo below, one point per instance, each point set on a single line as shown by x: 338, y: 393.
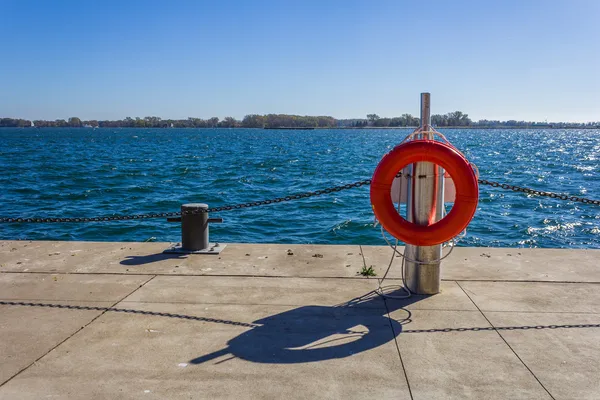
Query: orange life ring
x: 449, y: 158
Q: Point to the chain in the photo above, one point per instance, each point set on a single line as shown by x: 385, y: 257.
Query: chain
x: 539, y: 192
x: 92, y: 219
x: 501, y: 328
x: 296, y: 196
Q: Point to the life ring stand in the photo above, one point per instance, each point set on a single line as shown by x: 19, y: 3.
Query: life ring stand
x: 461, y: 172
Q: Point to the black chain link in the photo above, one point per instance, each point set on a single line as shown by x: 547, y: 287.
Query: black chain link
x: 91, y: 219
x: 558, y: 196
x: 501, y: 328
x: 297, y: 196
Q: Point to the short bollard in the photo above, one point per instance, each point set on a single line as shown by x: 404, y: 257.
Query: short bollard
x: 194, y: 231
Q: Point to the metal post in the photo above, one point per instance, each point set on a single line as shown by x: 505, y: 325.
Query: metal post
x: 424, y: 206
x: 194, y: 231
x: 194, y: 227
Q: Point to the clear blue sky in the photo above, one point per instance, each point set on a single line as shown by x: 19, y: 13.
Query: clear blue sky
x: 105, y: 59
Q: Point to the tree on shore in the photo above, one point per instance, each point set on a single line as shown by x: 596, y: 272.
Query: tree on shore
x: 229, y: 122
x: 253, y: 121
x: 456, y: 118
x: 372, y: 118
x: 75, y: 122
x: 14, y: 123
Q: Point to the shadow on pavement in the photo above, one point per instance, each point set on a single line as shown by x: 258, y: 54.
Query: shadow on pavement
x: 150, y: 258
x: 317, y: 333
x: 310, y: 333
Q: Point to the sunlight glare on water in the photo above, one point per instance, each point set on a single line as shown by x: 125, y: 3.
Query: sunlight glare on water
x: 84, y: 172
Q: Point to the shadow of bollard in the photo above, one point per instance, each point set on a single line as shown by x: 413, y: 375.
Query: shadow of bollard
x: 150, y: 258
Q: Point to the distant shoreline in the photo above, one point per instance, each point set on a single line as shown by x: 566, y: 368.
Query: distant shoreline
x: 451, y: 127
x: 32, y: 128
x: 453, y: 120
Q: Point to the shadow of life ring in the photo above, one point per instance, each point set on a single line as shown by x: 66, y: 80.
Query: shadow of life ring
x: 461, y: 172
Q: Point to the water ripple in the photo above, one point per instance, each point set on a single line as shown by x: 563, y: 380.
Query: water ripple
x: 79, y: 172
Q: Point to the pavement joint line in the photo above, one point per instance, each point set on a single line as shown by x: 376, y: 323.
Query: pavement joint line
x: 76, y: 332
x: 543, y: 312
x: 196, y: 275
x: 398, y: 347
x: 516, y: 281
x: 54, y: 300
x: 129, y: 273
x: 506, y: 342
x: 197, y: 303
x: 299, y: 305
x: 363, y: 255
x: 354, y: 307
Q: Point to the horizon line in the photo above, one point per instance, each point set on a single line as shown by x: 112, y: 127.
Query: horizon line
x: 589, y: 121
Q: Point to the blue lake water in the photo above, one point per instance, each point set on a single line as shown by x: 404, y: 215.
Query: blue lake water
x: 85, y: 172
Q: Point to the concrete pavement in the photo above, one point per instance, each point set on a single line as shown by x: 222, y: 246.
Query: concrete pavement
x: 81, y: 320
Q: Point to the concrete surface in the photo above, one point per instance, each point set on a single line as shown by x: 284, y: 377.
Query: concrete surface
x: 465, y: 263
x: 121, y: 320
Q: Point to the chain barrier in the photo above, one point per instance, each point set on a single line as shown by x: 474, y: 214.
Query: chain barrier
x: 501, y: 328
x: 297, y: 196
x: 539, y: 192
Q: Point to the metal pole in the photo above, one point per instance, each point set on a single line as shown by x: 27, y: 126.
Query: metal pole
x: 424, y: 206
x: 194, y: 227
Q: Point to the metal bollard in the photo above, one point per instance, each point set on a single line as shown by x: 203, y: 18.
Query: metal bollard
x: 194, y: 231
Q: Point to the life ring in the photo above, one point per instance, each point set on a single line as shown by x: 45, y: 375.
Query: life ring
x: 449, y: 158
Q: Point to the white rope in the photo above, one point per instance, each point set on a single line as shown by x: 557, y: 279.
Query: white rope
x: 451, y: 243
x: 381, y: 290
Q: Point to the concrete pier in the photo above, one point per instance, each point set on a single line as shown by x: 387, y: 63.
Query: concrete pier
x: 83, y: 320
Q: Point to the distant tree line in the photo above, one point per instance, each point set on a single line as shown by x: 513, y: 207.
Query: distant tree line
x: 456, y: 119
x: 453, y: 119
x: 14, y: 123
x: 288, y: 121
x: 249, y: 121
x: 376, y: 121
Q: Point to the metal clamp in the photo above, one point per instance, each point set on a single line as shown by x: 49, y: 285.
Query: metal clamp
x: 194, y: 231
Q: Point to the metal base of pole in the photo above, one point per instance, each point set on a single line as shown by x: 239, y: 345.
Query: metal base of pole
x: 422, y: 278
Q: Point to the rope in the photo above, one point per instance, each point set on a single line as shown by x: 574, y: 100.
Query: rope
x: 381, y: 290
